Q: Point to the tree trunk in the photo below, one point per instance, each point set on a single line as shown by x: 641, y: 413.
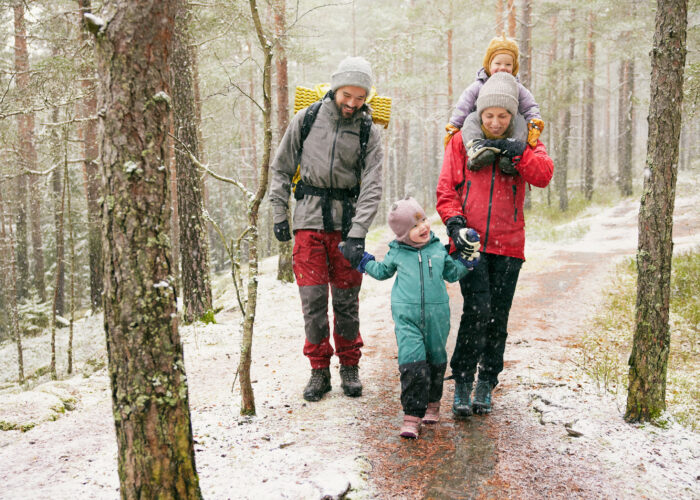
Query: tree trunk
x: 500, y: 18
x: 651, y: 344
x: 91, y: 174
x: 561, y: 172
x: 6, y: 244
x: 525, y: 72
x: 625, y: 134
x: 450, y: 91
x: 146, y: 365
x: 285, y: 272
x: 247, y: 397
x: 28, y: 149
x: 194, y: 254
x: 25, y: 129
x: 57, y: 185
x: 511, y: 18
x: 71, y: 244
x: 589, y: 98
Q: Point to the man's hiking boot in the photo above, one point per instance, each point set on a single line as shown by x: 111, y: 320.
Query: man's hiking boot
x: 462, y: 405
x: 432, y: 413
x: 319, y: 384
x: 411, y: 427
x: 482, y: 397
x: 350, y: 380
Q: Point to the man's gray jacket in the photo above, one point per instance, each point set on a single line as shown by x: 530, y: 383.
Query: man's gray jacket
x: 329, y: 160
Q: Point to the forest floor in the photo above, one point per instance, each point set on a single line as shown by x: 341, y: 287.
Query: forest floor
x: 60, y: 441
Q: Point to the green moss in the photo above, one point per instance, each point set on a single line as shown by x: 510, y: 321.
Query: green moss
x: 208, y: 317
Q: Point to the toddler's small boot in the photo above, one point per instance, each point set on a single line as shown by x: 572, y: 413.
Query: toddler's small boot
x: 482, y: 397
x: 319, y: 384
x: 411, y: 427
x: 350, y: 380
x: 432, y: 413
x: 462, y: 405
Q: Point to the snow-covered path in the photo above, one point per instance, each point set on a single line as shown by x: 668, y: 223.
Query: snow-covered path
x: 295, y: 449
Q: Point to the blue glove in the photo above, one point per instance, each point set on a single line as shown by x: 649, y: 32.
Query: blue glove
x: 365, y: 259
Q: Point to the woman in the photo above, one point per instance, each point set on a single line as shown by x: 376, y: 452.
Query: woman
x: 483, y: 187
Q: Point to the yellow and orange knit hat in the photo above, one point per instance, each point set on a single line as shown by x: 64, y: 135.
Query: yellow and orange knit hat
x: 502, y: 45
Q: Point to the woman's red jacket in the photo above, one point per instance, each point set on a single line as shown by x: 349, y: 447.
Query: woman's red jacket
x: 491, y: 202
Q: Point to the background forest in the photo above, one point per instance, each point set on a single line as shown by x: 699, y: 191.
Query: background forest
x: 586, y: 62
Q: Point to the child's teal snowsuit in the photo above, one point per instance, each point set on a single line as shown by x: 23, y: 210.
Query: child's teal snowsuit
x: 421, y: 311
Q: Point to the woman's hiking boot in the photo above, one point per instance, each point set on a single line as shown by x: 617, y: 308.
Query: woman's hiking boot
x: 462, y: 405
x: 432, y: 413
x: 411, y: 427
x: 482, y: 397
x: 319, y: 384
x: 350, y: 380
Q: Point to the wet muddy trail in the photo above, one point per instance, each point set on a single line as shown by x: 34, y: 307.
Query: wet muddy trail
x: 510, y: 453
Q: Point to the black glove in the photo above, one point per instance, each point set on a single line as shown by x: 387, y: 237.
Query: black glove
x: 354, y: 250
x: 281, y: 230
x: 506, y: 166
x: 453, y: 225
x: 509, y: 147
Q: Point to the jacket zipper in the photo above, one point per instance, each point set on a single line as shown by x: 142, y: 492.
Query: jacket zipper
x: 464, y: 203
x: 335, y: 138
x: 515, y: 203
x: 430, y: 267
x: 488, y: 218
x: 422, y: 292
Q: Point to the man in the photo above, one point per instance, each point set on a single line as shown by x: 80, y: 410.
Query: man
x: 337, y: 198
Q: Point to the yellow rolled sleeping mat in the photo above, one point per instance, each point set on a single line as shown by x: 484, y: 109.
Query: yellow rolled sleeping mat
x: 381, y: 106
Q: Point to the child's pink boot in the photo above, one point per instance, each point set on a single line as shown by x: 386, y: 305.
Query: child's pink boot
x: 411, y: 427
x: 432, y: 413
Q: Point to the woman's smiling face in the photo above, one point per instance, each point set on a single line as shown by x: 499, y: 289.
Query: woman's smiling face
x: 496, y: 120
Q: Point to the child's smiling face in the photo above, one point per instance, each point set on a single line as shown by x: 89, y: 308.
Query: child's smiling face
x: 501, y: 62
x: 420, y: 233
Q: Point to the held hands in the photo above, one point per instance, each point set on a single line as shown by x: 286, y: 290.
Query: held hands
x: 353, y: 249
x: 471, y: 242
x: 535, y: 128
x: 465, y: 239
x: 366, y: 257
x: 282, y: 232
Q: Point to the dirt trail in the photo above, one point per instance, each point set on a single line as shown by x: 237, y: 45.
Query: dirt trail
x: 512, y: 453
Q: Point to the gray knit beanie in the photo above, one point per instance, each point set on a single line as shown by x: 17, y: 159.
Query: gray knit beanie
x: 354, y: 71
x: 403, y: 216
x: 501, y: 90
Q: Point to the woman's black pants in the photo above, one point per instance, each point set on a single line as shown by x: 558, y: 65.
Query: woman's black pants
x: 481, y: 339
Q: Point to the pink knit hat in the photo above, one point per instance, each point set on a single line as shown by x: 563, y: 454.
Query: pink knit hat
x: 403, y: 216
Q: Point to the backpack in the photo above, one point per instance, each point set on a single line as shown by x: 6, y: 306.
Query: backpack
x: 310, y: 118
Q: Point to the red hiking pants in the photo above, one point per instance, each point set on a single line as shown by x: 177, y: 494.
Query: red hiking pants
x: 318, y: 263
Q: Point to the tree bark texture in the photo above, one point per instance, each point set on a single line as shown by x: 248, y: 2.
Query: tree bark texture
x: 511, y: 18
x: 589, y: 96
x: 561, y: 172
x: 146, y: 365
x: 450, y: 91
x: 500, y: 18
x: 25, y: 130
x: 194, y: 247
x: 625, y: 127
x: 525, y: 72
x: 285, y: 272
x: 91, y: 172
x: 10, y: 291
x: 247, y: 396
x: 649, y: 358
x: 60, y: 275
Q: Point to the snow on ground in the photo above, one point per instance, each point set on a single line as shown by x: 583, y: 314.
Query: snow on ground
x: 294, y: 449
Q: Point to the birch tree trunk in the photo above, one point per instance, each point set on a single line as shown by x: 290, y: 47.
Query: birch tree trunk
x: 646, y: 397
x: 194, y: 247
x: 145, y: 358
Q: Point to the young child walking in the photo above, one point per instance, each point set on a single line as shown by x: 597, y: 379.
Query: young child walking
x: 420, y: 308
x: 501, y: 55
